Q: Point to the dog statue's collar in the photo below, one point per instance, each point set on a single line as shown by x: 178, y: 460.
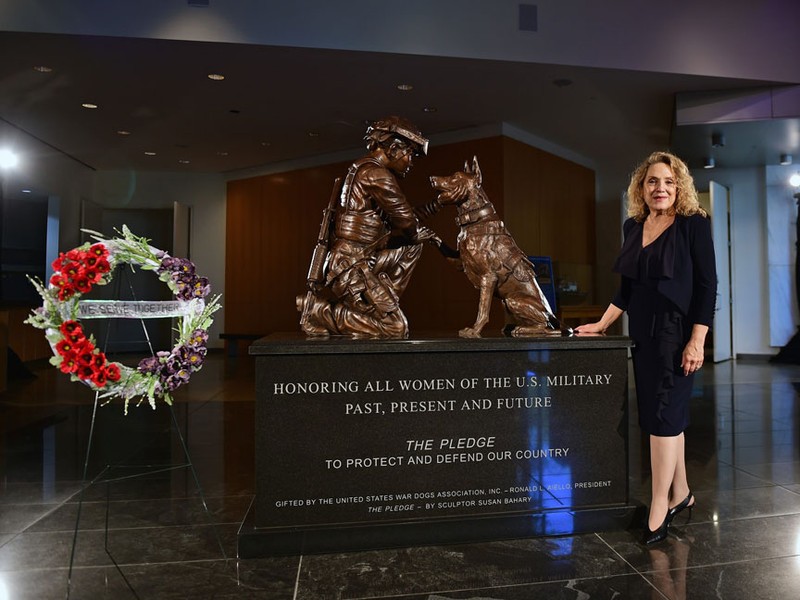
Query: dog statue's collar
x: 475, y: 215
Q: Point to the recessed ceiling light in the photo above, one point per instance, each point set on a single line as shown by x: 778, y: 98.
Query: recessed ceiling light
x: 123, y: 132
x: 222, y: 153
x: 313, y: 134
x: 265, y: 144
x: 149, y: 153
x: 42, y: 69
x: 216, y: 77
x: 25, y: 191
x: 405, y: 87
x: 183, y: 161
x: 90, y: 105
x: 429, y: 109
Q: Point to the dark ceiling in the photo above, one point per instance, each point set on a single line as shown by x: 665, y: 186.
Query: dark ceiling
x: 280, y: 104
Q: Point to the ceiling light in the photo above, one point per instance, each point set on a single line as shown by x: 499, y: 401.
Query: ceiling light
x: 149, y: 153
x: 216, y: 77
x: 123, y: 132
x: 405, y: 87
x: 42, y: 69
x: 89, y: 105
x: 786, y: 159
x: 717, y: 140
x: 313, y: 134
x: 709, y: 163
x: 794, y: 180
x: 429, y: 109
x: 222, y: 153
x: 183, y: 161
x: 8, y: 160
x: 25, y: 191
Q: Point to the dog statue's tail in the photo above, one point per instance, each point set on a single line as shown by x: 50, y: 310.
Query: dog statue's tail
x: 556, y: 324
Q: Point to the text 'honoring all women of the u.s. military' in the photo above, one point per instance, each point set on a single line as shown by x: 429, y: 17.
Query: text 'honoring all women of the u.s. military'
x: 401, y: 436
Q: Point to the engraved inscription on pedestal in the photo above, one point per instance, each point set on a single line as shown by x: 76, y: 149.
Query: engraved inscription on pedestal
x: 367, y: 438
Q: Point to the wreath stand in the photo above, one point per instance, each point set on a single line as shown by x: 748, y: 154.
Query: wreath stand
x: 146, y: 470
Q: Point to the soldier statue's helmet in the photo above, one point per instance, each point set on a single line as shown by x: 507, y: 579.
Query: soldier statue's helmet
x: 384, y: 131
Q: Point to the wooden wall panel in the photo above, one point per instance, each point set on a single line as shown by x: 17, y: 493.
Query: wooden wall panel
x: 273, y: 220
x: 550, y: 210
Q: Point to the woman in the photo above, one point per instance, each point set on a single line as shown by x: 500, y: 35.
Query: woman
x: 668, y: 289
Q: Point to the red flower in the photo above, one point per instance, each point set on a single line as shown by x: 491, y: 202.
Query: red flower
x: 57, y: 280
x: 84, y: 371
x: 58, y: 264
x: 92, y: 274
x: 99, y: 377
x: 103, y: 265
x: 98, y: 250
x: 65, y: 347
x: 71, y: 328
x: 82, y: 284
x: 74, y: 254
x: 68, y: 364
x: 98, y: 360
x: 71, y: 269
x: 112, y: 372
x: 85, y: 355
x: 66, y: 292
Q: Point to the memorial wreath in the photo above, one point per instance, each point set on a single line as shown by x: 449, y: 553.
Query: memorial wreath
x: 75, y: 352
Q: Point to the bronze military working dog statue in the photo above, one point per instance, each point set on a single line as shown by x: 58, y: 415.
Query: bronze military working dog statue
x: 491, y: 259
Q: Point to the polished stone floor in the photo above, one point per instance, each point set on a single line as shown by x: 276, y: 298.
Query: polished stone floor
x: 145, y: 533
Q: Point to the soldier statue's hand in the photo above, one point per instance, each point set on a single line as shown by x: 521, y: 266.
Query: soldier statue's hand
x: 425, y: 234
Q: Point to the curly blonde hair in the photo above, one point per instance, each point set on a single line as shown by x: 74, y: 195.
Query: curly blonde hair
x: 686, y: 202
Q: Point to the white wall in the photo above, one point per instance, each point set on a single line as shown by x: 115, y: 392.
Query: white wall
x: 749, y: 261
x: 781, y: 252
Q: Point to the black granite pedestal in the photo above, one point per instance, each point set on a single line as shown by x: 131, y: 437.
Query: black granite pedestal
x: 436, y: 439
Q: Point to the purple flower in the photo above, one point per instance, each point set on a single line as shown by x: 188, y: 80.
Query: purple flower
x: 200, y: 287
x: 184, y: 292
x: 151, y: 364
x: 199, y: 337
x: 169, y: 264
x: 181, y: 277
x: 187, y: 266
x: 178, y: 378
x: 195, y: 357
x: 173, y: 364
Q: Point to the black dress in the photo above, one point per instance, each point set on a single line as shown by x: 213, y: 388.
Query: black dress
x: 660, y: 331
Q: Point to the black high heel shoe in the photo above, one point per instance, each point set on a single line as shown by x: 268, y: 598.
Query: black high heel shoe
x: 673, y: 512
x: 659, y: 535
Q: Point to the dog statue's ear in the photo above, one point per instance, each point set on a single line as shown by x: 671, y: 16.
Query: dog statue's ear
x: 476, y: 169
x: 466, y: 167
